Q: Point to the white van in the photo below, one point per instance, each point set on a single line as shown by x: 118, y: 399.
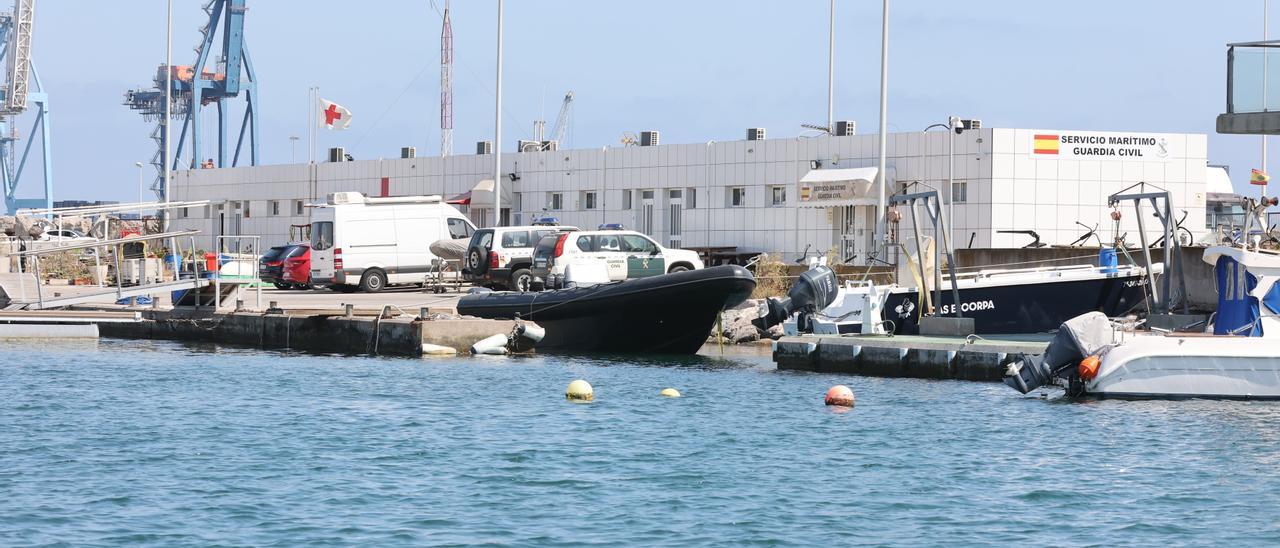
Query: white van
x: 369, y: 243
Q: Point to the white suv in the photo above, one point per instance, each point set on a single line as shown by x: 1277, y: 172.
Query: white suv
x: 501, y: 257
x: 626, y: 254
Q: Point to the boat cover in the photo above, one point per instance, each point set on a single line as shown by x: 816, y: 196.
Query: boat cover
x: 1237, y: 308
x: 1084, y: 335
x: 450, y: 249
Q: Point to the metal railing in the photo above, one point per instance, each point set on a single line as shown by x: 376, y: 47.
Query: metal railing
x: 253, y: 248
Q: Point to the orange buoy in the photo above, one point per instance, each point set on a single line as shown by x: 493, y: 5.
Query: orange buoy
x: 839, y: 395
x: 1089, y: 367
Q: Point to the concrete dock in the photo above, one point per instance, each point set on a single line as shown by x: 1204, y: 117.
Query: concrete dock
x: 364, y: 332
x: 913, y: 356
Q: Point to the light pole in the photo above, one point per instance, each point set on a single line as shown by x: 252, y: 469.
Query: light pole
x: 497, y: 131
x: 293, y: 145
x: 882, y: 239
x: 141, y: 190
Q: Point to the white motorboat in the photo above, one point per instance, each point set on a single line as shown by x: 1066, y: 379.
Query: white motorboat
x: 1238, y: 356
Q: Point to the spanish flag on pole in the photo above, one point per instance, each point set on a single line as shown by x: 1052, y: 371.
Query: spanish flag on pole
x: 1259, y: 177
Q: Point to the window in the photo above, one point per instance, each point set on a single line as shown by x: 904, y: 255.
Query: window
x: 321, y: 235
x: 626, y: 199
x: 779, y: 195
x: 675, y: 194
x: 638, y: 244
x: 584, y: 243
x: 608, y: 242
x: 557, y: 201
x: 186, y: 212
x: 246, y: 209
x: 646, y: 194
x: 459, y: 228
x: 518, y: 238
x: 737, y: 196
x: 297, y: 207
x: 690, y: 198
x: 959, y: 192
x: 588, y: 200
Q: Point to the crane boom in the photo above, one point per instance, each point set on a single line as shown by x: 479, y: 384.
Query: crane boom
x: 562, y: 120
x: 19, y: 57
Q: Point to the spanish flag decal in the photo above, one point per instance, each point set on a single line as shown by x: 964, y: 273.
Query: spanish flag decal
x: 1046, y: 144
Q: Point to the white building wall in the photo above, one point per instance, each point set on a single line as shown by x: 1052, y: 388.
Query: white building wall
x: 1008, y: 187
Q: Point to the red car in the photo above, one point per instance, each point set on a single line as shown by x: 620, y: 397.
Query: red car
x: 297, y: 266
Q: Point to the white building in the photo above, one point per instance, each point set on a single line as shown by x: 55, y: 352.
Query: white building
x: 755, y: 195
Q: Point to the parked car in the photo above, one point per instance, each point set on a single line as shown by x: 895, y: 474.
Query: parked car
x: 65, y: 235
x: 297, y: 266
x: 271, y: 268
x: 626, y: 254
x: 369, y: 243
x: 502, y: 257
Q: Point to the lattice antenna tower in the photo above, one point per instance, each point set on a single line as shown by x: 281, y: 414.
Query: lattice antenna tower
x: 446, y: 84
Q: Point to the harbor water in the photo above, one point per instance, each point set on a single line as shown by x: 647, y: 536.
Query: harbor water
x: 138, y: 442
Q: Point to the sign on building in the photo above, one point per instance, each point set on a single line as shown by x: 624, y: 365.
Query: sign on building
x: 1094, y: 145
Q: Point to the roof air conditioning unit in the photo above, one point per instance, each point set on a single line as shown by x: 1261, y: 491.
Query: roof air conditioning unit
x: 337, y: 154
x: 527, y: 146
x: 484, y: 147
x: 755, y: 134
x: 337, y: 198
x: 408, y: 152
x: 845, y: 128
x: 972, y: 124
x: 551, y: 145
x: 648, y: 138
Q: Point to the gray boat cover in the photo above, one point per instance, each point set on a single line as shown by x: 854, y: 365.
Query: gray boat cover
x: 450, y: 250
x: 1084, y: 335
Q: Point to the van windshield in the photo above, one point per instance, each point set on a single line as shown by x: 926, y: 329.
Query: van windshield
x: 321, y: 235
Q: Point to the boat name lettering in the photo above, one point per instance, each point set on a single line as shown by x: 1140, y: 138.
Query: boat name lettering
x: 968, y: 307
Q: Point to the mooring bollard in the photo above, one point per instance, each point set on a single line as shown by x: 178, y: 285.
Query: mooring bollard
x: 239, y: 305
x: 349, y: 310
x: 422, y: 313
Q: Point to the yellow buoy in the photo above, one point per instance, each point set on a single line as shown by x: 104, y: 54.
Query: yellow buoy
x: 579, y: 390
x: 670, y: 393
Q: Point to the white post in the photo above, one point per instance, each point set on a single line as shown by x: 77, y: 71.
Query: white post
x: 497, y: 132
x: 882, y: 185
x: 1264, y: 82
x: 141, y: 186
x: 831, y: 71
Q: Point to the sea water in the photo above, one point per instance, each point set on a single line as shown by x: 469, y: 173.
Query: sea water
x: 139, y: 442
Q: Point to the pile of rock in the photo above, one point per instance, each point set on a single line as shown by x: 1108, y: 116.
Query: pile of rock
x: 736, y: 326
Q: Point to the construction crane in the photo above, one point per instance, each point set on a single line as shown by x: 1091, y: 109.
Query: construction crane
x: 22, y: 89
x: 196, y: 87
x: 557, y: 131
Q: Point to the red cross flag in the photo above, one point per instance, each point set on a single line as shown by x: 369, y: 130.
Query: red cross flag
x: 333, y: 115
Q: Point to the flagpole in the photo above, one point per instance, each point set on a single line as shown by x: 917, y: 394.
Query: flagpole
x: 497, y: 132
x: 311, y: 149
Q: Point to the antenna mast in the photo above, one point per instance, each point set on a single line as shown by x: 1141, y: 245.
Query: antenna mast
x: 446, y: 85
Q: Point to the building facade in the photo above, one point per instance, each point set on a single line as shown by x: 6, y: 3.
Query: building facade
x: 780, y: 196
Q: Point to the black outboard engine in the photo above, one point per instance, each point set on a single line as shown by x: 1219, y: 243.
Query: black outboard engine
x: 814, y: 291
x: 1082, y: 336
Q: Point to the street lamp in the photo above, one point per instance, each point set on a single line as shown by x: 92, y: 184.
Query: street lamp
x: 141, y: 185
x: 293, y: 144
x: 957, y: 126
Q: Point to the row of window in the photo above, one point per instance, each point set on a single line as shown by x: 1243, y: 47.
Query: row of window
x: 734, y: 197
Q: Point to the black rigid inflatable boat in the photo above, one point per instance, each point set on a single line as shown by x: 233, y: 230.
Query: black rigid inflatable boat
x: 667, y: 314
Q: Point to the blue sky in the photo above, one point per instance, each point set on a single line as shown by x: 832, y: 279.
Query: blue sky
x: 694, y: 70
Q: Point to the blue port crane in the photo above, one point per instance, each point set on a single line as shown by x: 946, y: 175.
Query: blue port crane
x: 195, y: 87
x: 21, y: 90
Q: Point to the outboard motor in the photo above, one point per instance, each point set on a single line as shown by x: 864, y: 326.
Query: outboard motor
x: 1085, y: 335
x: 814, y: 291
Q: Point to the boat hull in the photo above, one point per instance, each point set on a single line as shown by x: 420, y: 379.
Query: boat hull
x: 1019, y: 308
x: 1156, y: 366
x: 668, y: 314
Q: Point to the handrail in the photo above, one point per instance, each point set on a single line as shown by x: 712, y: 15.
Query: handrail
x: 103, y: 243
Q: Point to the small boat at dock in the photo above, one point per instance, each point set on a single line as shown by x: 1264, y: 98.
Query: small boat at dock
x: 666, y: 314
